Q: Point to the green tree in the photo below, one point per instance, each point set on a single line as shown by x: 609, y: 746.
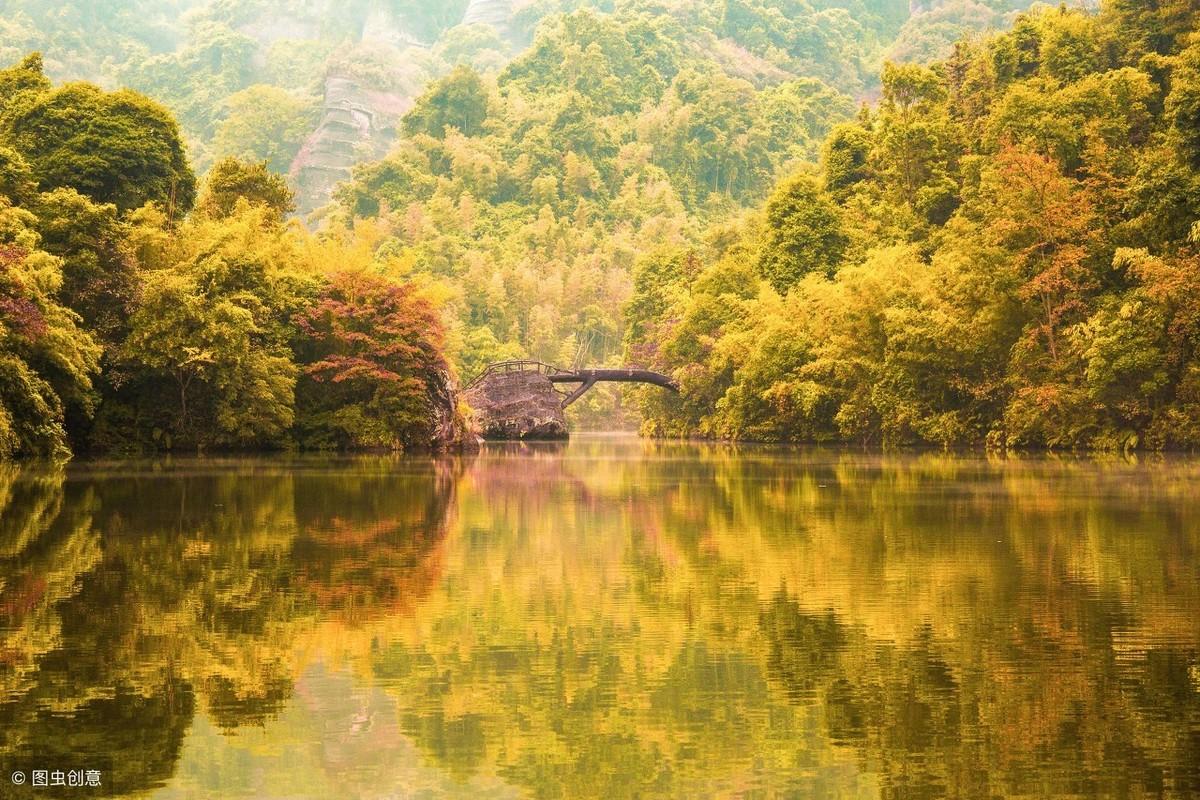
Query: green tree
x: 845, y: 158
x: 1157, y: 27
x: 430, y: 19
x: 613, y: 63
x: 971, y: 294
x: 706, y: 134
x: 196, y: 79
x: 480, y: 348
x: 917, y: 142
x: 264, y: 123
x: 658, y: 280
x: 227, y: 387
x: 114, y: 147
x: 99, y: 272
x: 804, y: 234
x: 231, y: 180
x: 460, y: 100
x: 22, y: 82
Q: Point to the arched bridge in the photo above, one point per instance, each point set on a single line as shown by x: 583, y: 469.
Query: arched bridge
x: 525, y: 399
x: 586, y: 378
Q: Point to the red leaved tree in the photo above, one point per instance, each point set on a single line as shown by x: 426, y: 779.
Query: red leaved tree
x: 373, y: 365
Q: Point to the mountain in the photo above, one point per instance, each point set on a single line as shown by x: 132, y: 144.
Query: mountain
x: 316, y: 86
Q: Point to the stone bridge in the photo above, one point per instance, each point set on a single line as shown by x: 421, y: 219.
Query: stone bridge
x: 526, y: 399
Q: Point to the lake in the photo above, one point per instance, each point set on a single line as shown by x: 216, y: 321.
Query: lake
x: 610, y: 618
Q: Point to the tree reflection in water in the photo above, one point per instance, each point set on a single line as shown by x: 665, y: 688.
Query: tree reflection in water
x: 129, y: 592
x: 608, y: 619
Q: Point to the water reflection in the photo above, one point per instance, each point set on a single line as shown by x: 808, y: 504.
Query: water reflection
x: 610, y: 619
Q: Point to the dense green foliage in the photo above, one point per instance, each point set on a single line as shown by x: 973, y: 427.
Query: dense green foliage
x: 231, y: 180
x: 932, y: 33
x: 124, y: 327
x: 803, y: 234
x: 529, y: 194
x: 115, y: 147
x: 245, y: 77
x: 1003, y: 251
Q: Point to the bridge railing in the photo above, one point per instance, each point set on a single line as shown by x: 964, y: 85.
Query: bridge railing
x: 524, y: 365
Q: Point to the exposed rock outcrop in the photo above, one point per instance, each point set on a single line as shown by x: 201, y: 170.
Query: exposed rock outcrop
x: 449, y: 430
x: 359, y: 124
x: 360, y: 117
x: 517, y: 406
x: 495, y: 13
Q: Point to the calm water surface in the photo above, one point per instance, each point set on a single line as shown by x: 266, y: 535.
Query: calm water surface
x: 611, y: 619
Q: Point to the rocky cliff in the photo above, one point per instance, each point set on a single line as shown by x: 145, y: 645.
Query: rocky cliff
x: 517, y: 406
x: 358, y: 124
x: 495, y: 13
x: 450, y: 431
x: 362, y: 107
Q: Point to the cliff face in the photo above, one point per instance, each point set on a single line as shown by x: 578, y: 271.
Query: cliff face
x: 361, y: 113
x: 496, y: 13
x: 358, y: 124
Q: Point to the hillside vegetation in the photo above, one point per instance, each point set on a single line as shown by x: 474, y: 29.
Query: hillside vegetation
x: 530, y: 192
x: 999, y: 249
x: 136, y: 313
x: 1004, y: 250
x: 248, y: 78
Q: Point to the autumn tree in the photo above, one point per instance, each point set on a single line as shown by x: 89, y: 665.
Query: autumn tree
x: 373, y: 370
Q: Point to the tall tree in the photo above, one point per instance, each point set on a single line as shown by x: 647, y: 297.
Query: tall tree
x: 804, y: 234
x: 115, y: 147
x: 373, y: 367
x: 227, y: 388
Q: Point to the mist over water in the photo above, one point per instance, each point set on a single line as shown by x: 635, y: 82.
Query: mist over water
x: 608, y: 618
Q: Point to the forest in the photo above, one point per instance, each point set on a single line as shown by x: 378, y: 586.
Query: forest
x: 860, y: 221
x: 1002, y: 251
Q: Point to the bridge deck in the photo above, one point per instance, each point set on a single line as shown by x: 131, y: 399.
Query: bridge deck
x: 618, y: 375
x: 586, y: 378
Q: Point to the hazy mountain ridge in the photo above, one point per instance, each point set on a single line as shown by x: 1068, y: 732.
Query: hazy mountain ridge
x: 199, y: 56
